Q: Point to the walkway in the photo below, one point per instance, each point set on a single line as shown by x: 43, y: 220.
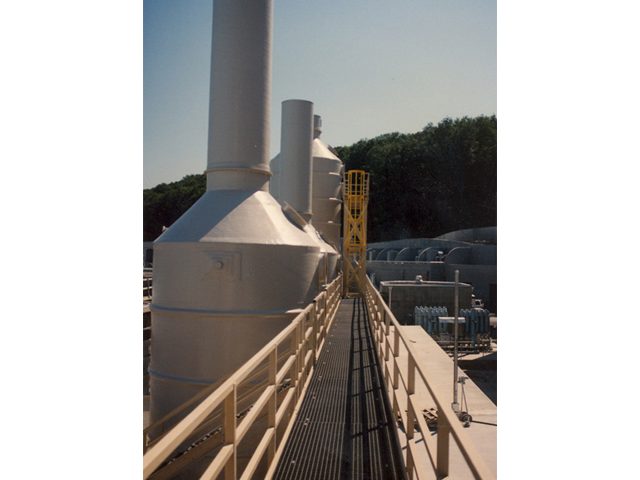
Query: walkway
x: 343, y: 430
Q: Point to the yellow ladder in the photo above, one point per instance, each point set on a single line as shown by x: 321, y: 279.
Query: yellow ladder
x: 354, y: 251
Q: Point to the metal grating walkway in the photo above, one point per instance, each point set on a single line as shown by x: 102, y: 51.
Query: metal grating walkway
x: 343, y: 429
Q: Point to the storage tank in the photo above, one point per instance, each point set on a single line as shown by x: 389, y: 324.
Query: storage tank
x: 233, y: 271
x: 327, y: 188
x: 295, y: 166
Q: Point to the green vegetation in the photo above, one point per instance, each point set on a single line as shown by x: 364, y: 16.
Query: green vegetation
x: 165, y: 203
x: 432, y: 182
x: 422, y: 184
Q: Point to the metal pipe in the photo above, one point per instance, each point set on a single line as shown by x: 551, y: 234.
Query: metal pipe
x: 455, y: 347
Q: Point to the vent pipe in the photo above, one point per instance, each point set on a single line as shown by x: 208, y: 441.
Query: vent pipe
x: 296, y: 177
x: 233, y: 271
x: 239, y: 104
x: 317, y: 126
x: 296, y: 162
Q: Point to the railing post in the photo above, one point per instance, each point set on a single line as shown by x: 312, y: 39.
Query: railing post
x: 411, y: 415
x: 395, y: 382
x: 326, y: 303
x: 322, y: 327
x: 442, y: 460
x: 411, y: 385
x: 303, y: 349
x: 229, y: 414
x: 387, y: 323
x: 298, y: 361
x: 301, y: 355
x: 381, y: 334
x: 272, y: 406
x: 295, y: 367
x: 387, y: 348
x: 396, y: 354
x: 315, y: 332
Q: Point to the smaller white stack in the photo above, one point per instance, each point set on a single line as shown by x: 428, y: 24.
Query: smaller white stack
x: 327, y: 188
x: 307, y: 178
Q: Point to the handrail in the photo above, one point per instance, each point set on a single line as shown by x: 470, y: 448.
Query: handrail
x: 307, y: 333
x: 147, y: 287
x: 403, y: 384
x: 157, y: 429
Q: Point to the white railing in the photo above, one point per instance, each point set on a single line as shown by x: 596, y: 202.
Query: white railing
x: 401, y: 386
x: 217, y: 409
x: 147, y: 285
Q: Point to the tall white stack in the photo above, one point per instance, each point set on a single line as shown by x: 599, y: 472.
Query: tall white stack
x: 231, y: 272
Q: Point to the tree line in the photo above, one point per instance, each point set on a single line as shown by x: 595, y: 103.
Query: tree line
x: 165, y: 203
x: 428, y: 183
x: 424, y: 184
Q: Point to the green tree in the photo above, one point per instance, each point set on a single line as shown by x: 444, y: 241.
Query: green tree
x: 425, y: 184
x: 165, y: 203
x: 429, y: 183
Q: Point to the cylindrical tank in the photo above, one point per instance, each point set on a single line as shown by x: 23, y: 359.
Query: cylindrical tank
x: 474, y: 326
x: 327, y: 269
x: 467, y: 320
x: 326, y: 209
x: 231, y: 272
x: 327, y: 185
x: 331, y: 231
x: 293, y: 183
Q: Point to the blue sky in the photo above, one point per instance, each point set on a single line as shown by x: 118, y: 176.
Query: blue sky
x: 370, y: 67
